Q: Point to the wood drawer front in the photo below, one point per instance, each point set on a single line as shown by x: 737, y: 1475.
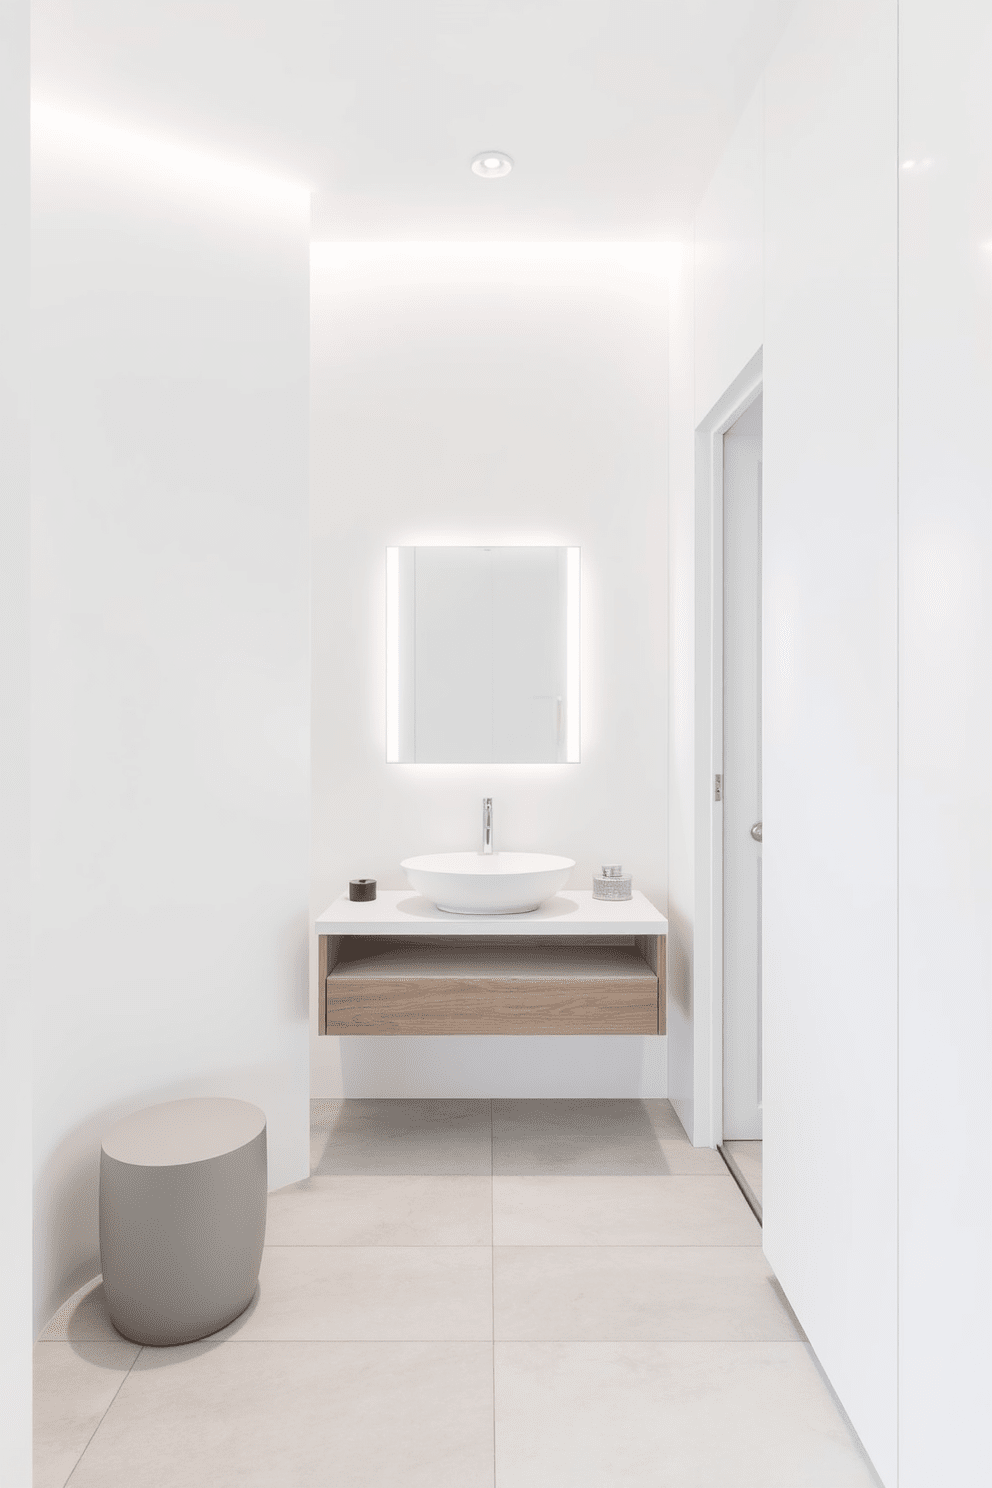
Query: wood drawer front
x: 477, y: 984
x: 430, y: 1005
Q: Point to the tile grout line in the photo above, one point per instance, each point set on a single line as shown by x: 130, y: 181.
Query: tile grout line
x: 419, y: 1341
x: 513, y: 1245
x: 627, y: 1177
x: 613, y: 1341
x: 96, y: 1428
x: 752, y: 1246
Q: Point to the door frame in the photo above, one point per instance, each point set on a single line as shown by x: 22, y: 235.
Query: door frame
x: 707, y: 976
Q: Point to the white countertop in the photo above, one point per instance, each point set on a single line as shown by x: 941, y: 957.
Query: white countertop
x: 570, y: 912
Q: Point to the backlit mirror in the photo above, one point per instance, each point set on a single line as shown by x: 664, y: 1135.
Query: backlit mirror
x: 482, y: 655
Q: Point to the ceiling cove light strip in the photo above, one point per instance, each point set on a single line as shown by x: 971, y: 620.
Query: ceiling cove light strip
x: 152, y: 154
x: 573, y: 629
x: 659, y: 258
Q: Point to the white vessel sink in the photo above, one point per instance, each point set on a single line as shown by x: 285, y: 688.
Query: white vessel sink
x: 487, y: 883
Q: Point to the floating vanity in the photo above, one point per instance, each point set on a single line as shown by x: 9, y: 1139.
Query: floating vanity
x: 576, y: 965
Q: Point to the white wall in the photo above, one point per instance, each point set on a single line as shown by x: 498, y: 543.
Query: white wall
x: 681, y: 693
x: 170, y: 656
x: 716, y: 334
x: 795, y: 256
x: 874, y: 313
x: 945, y: 742
x: 830, y: 697
x: 15, y: 996
x: 729, y: 256
x: 465, y: 397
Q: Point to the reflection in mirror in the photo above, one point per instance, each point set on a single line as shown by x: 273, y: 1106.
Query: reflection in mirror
x: 482, y: 655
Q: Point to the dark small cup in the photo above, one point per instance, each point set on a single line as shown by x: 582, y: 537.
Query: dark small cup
x: 361, y: 890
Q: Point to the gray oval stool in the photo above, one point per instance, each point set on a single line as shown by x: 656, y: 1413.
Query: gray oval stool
x: 182, y: 1217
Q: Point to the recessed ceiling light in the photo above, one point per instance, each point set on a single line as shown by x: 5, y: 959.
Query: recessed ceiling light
x: 492, y: 163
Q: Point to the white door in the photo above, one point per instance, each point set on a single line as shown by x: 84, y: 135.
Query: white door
x: 742, y: 776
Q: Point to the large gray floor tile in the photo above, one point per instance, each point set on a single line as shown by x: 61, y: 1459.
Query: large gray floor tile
x: 310, y: 1292
x: 408, y: 1210
x: 622, y: 1211
x: 590, y: 1137
x: 319, y: 1415
x: 381, y: 1137
x: 651, y: 1293
x: 669, y: 1415
x: 74, y: 1385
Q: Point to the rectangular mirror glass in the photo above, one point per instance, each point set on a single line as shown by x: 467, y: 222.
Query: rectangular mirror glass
x: 482, y: 655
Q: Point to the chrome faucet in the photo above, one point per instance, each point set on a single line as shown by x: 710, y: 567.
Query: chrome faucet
x: 487, y: 824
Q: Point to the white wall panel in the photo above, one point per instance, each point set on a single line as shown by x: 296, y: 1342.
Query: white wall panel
x: 15, y: 992
x: 830, y: 698
x: 878, y: 546
x: 945, y: 864
x: 490, y: 396
x: 716, y: 331
x: 170, y: 659
x: 681, y: 695
x: 729, y: 262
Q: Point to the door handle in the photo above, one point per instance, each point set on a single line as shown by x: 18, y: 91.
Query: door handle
x: 756, y: 831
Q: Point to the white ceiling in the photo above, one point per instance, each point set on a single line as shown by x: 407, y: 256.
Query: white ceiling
x: 615, y: 111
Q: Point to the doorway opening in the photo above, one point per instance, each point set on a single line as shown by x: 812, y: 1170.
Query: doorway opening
x: 713, y: 1026
x: 741, y: 797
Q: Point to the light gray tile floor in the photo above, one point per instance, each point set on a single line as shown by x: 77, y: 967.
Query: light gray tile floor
x: 470, y: 1294
x: 622, y: 1211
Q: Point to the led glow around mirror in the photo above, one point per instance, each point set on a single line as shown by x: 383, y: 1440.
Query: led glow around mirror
x: 392, y: 654
x: 572, y: 633
x: 482, y: 655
